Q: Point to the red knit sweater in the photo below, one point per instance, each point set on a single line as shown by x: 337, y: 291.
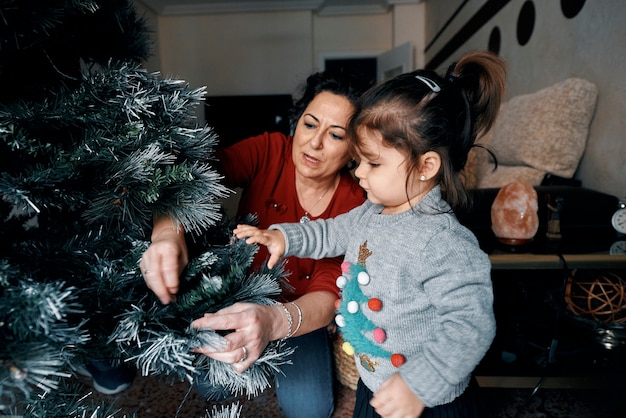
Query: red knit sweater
x: 263, y: 167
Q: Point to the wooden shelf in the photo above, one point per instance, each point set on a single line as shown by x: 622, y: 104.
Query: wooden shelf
x: 526, y: 323
x: 551, y: 261
x: 529, y: 382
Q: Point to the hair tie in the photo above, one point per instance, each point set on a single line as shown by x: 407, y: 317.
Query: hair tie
x: 430, y: 83
x: 449, y: 76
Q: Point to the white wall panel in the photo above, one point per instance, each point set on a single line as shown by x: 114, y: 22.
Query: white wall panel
x: 590, y: 45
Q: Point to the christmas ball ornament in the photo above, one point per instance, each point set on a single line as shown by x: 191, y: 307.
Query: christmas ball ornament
x: 17, y: 373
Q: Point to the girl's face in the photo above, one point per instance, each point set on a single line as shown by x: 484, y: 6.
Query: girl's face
x: 319, y: 146
x: 382, y: 172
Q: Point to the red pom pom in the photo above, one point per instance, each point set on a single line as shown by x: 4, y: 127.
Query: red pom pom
x: 397, y: 360
x: 375, y: 304
x: 345, y: 267
x: 337, y: 303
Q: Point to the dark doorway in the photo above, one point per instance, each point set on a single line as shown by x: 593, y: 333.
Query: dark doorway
x: 239, y: 117
x: 364, y: 67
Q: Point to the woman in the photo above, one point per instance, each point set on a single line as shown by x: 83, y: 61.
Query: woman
x: 284, y: 179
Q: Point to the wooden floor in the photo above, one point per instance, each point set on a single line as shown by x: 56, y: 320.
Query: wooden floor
x: 150, y: 397
x: 153, y: 398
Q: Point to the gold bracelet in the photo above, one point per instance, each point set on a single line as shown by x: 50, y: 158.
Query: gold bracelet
x: 299, y: 317
x: 289, y: 320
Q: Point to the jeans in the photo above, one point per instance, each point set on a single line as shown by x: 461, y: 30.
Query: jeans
x: 305, y: 389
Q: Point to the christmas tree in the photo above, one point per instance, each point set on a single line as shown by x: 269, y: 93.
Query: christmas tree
x: 92, y: 147
x: 351, y: 319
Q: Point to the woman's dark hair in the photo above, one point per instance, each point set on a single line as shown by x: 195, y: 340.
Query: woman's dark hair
x: 349, y: 85
x: 421, y: 111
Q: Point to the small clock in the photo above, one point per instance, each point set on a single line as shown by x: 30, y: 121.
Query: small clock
x: 618, y: 247
x: 619, y: 218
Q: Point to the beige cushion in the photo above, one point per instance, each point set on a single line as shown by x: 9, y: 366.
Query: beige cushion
x: 478, y: 162
x: 480, y: 173
x: 535, y: 134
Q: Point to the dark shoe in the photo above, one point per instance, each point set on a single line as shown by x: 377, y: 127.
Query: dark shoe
x: 108, y: 379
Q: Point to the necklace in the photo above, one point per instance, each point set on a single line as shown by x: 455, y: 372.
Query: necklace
x: 305, y: 218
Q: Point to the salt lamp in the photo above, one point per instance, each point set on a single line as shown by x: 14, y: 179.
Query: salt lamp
x: 514, y: 218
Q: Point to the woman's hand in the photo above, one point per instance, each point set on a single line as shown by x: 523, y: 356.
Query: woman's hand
x: 271, y: 238
x: 394, y: 399
x: 163, y: 262
x: 253, y: 326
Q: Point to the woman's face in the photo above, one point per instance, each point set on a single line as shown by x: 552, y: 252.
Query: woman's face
x: 319, y: 146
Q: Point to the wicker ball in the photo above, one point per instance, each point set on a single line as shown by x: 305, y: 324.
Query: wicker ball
x: 598, y: 295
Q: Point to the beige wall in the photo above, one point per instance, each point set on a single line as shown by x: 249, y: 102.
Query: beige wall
x: 349, y: 36
x: 231, y: 54
x: 409, y: 25
x: 272, y: 52
x: 590, y: 45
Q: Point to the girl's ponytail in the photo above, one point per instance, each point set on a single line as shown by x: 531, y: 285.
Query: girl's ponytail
x: 482, y: 77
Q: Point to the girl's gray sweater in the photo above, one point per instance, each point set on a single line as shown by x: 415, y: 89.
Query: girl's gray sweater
x: 434, y: 284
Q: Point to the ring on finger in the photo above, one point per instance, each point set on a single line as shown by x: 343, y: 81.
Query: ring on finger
x: 245, y: 354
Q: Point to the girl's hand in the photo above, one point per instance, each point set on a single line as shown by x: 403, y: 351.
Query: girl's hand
x: 163, y: 262
x: 394, y: 399
x: 271, y: 238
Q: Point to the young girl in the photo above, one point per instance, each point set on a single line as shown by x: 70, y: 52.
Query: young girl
x: 416, y: 296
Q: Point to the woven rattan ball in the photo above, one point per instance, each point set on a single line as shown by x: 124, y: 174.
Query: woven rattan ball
x: 598, y: 295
